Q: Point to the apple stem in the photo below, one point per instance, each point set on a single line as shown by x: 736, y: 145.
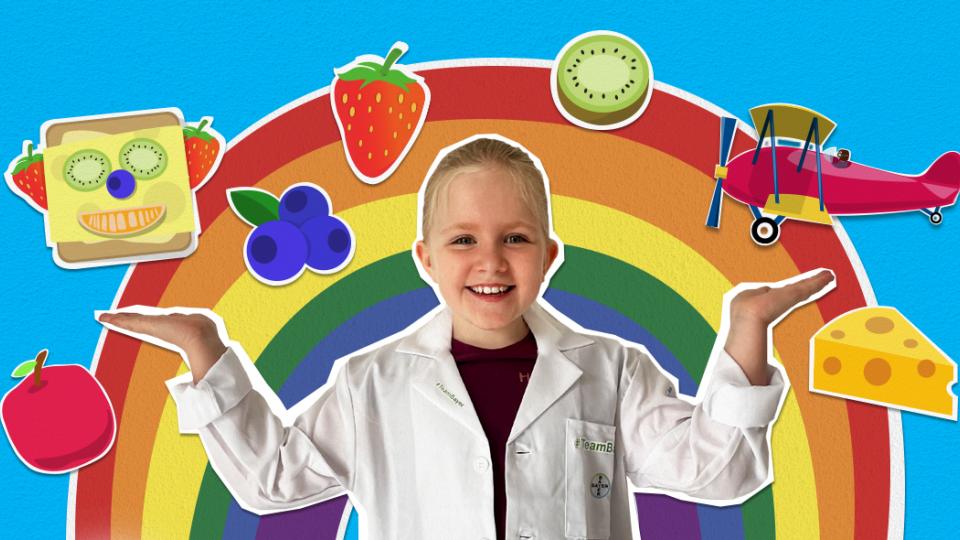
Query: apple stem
x: 41, y: 357
x: 393, y: 56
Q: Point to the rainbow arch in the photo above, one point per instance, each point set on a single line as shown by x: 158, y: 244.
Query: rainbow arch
x: 639, y: 263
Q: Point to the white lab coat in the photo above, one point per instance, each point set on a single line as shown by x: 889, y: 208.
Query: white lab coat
x: 396, y: 430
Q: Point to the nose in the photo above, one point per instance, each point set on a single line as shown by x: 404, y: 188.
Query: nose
x: 491, y: 258
x: 121, y: 184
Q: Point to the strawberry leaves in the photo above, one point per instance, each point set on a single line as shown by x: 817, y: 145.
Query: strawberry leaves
x: 25, y: 162
x: 369, y: 72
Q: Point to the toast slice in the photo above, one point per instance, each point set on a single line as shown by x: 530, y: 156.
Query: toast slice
x: 82, y: 252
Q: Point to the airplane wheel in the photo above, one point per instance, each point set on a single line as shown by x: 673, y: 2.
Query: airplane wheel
x: 765, y: 231
x: 936, y: 218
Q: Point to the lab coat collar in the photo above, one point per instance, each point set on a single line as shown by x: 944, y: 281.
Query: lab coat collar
x: 553, y: 374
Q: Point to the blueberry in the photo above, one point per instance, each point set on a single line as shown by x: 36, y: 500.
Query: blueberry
x: 330, y: 242
x: 300, y: 203
x: 276, y: 251
x: 121, y: 183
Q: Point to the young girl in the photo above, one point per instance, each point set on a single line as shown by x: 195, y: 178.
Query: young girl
x: 491, y: 418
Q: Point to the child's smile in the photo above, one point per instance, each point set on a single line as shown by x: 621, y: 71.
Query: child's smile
x: 488, y: 254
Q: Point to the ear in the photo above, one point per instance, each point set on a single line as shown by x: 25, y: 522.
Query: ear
x: 552, y: 251
x: 423, y: 255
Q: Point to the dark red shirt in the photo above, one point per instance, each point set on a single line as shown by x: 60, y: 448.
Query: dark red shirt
x: 495, y: 380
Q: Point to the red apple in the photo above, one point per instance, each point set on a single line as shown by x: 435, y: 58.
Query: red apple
x: 59, y: 418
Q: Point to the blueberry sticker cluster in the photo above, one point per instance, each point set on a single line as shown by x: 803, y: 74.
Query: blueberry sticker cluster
x: 294, y: 232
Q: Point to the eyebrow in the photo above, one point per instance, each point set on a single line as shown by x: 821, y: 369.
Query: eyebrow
x: 466, y: 226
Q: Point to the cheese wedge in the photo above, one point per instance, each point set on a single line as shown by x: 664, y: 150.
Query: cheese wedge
x: 876, y: 355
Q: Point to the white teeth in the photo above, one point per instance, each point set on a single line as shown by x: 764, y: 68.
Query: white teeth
x: 489, y: 290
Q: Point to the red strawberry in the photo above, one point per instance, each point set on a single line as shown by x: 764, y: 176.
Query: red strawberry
x: 202, y: 149
x: 379, y: 109
x: 28, y: 176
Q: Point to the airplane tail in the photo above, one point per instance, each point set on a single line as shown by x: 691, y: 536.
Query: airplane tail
x: 945, y: 170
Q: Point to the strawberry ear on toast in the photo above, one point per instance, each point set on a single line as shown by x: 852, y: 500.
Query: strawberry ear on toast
x: 204, y: 146
x: 379, y: 107
x: 25, y: 177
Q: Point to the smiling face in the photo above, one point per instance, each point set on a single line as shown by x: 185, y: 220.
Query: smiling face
x: 487, y: 252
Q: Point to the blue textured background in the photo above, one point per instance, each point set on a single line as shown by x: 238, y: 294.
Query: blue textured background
x: 888, y: 75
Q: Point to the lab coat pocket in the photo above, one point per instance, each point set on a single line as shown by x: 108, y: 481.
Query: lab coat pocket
x: 589, y: 478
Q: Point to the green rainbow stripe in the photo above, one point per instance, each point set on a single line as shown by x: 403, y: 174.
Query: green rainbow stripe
x: 680, y: 328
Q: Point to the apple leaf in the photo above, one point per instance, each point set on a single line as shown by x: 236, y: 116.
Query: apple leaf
x: 24, y: 369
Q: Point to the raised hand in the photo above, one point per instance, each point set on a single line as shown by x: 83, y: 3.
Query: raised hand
x: 197, y: 337
x: 753, y: 310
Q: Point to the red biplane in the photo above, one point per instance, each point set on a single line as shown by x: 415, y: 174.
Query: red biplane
x: 788, y: 175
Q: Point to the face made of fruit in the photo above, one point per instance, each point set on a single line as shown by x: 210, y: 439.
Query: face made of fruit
x: 487, y: 254
x: 125, y: 185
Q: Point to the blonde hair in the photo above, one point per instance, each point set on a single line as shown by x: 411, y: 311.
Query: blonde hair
x: 486, y: 152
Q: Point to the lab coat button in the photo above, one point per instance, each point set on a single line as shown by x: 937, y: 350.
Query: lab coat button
x: 481, y: 465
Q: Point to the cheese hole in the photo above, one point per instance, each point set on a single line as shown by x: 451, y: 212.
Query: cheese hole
x: 831, y: 365
x: 926, y: 368
x: 879, y: 325
x: 910, y: 343
x: 838, y: 334
x: 877, y: 371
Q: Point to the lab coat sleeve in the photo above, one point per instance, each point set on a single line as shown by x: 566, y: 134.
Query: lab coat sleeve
x: 716, y: 449
x: 267, y: 465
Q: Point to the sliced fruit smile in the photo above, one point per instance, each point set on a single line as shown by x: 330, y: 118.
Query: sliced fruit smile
x: 122, y: 222
x: 491, y: 290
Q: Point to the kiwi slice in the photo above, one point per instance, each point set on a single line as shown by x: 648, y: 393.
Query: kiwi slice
x: 86, y: 170
x: 603, y: 78
x: 145, y: 158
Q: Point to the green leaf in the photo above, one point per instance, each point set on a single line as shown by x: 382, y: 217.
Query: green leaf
x: 24, y: 369
x: 368, y: 72
x: 254, y: 206
x: 190, y: 132
x: 359, y: 73
x: 25, y: 162
x: 371, y: 65
x: 399, y: 78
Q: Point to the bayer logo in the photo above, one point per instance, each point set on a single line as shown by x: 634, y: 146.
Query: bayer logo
x: 600, y: 486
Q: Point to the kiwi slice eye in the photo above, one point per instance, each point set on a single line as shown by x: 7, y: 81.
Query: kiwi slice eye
x: 603, y: 78
x: 144, y: 158
x: 86, y: 170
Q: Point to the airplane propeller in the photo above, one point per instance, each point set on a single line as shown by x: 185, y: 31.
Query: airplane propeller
x: 728, y: 127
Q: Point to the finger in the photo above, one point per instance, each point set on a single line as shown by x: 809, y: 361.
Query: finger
x: 134, y: 322
x: 153, y: 328
x: 799, y: 291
